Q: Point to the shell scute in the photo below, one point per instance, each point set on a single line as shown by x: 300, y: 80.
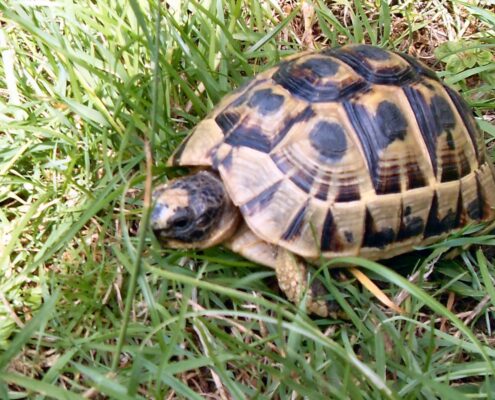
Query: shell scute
x: 452, y: 152
x: 249, y: 173
x: 468, y: 121
x: 444, y: 213
x: 341, y: 231
x: 419, y: 67
x: 410, y: 227
x: 382, y: 221
x: 385, y: 129
x: 318, y: 78
x: 414, y: 213
x: 376, y: 65
x: 265, y: 102
x: 296, y: 225
x: 285, y: 213
x: 471, y: 199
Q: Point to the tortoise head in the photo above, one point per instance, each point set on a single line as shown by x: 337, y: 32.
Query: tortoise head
x: 194, y: 211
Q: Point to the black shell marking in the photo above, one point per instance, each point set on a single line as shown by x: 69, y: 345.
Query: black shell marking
x: 419, y: 67
x: 444, y: 117
x: 226, y: 162
x: 227, y: 120
x: 244, y: 90
x: 415, y: 177
x: 374, y: 238
x: 410, y: 228
x: 375, y: 134
x: 260, y: 201
x: 266, y: 101
x: 294, y: 229
x: 329, y: 240
x: 450, y: 172
x: 370, y: 52
x: 410, y: 225
x: 435, y: 225
x: 329, y: 140
x: 248, y: 136
x: 303, y: 179
x: 391, y: 122
x: 178, y: 152
x: 358, y: 58
x: 464, y: 164
x: 322, y: 192
x: 254, y: 136
x: 388, y: 180
x: 282, y: 162
x: 474, y: 209
x: 319, y: 67
x: 435, y: 119
x: 424, y: 118
x: 348, y: 192
x: 469, y: 123
x: 310, y: 84
x: 480, y: 196
x: 349, y: 237
x: 304, y: 115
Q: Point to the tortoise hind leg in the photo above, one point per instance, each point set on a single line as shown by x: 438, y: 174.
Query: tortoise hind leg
x: 291, y: 271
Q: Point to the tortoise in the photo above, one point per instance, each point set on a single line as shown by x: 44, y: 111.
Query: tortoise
x: 350, y: 151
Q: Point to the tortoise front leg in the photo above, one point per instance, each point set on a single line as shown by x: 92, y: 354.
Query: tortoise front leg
x: 292, y: 279
x: 290, y: 269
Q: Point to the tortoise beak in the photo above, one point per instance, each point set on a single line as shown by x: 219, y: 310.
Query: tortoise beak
x: 160, y: 221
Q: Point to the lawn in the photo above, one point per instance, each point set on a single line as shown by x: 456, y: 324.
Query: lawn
x: 94, y: 97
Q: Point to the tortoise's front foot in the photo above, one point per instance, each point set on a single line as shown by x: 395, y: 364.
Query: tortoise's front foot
x: 292, y: 279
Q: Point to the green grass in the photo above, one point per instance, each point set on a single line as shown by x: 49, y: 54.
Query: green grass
x: 92, y: 307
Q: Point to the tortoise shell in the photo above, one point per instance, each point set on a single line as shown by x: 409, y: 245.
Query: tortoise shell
x: 349, y: 151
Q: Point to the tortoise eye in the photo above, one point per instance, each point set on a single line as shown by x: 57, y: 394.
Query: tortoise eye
x: 181, y: 222
x: 182, y: 219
